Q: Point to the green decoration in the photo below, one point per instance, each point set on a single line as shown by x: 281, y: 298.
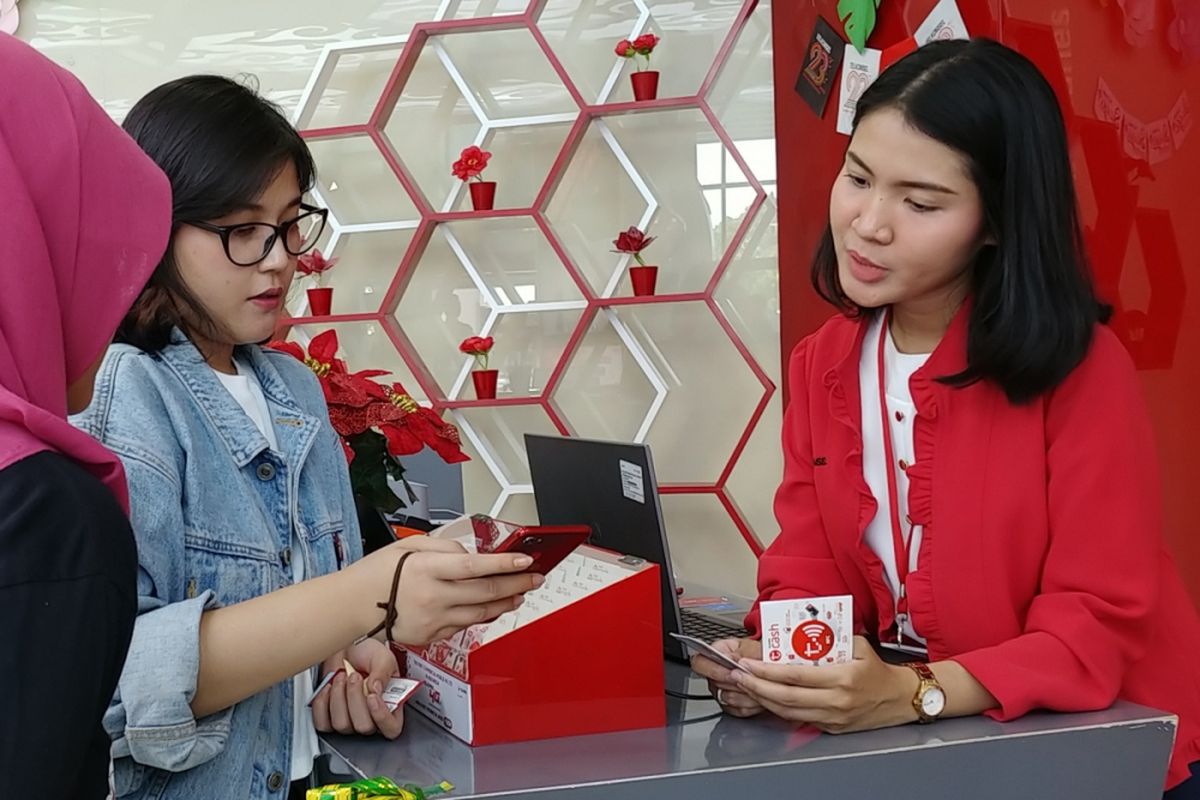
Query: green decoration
x: 858, y: 20
x: 370, y: 482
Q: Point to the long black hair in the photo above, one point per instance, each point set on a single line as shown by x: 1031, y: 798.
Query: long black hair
x: 220, y: 144
x: 1034, y: 304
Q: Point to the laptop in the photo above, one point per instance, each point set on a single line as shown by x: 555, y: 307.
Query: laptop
x: 611, y: 487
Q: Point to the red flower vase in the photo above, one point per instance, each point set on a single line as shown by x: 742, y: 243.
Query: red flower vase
x: 319, y: 301
x: 485, y: 383
x: 645, y: 85
x: 644, y: 280
x: 483, y: 195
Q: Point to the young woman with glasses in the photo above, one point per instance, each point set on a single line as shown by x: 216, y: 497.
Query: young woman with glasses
x: 250, y: 583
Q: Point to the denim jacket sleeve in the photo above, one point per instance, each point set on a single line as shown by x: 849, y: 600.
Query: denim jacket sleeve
x: 150, y: 717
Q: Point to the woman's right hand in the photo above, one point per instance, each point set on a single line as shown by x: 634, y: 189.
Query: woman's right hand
x: 729, y: 695
x: 443, y: 588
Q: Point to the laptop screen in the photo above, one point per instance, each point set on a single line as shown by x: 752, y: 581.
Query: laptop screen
x: 610, y: 486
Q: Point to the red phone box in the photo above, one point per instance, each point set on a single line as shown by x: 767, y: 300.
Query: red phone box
x: 582, y: 655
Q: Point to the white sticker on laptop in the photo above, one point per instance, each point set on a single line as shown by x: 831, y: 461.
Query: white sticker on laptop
x: 633, y: 484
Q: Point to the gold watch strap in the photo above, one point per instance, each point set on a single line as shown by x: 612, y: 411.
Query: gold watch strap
x: 922, y: 669
x: 928, y: 681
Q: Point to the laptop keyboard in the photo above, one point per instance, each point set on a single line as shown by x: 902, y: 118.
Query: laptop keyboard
x: 707, y: 628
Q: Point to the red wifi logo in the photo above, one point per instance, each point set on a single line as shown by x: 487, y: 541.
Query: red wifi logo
x: 813, y: 640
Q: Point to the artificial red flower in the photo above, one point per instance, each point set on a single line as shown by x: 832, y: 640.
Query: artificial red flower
x: 641, y: 46
x: 418, y: 426
x: 357, y: 403
x: 314, y: 263
x: 645, y: 43
x: 479, y: 347
x: 471, y: 163
x: 633, y: 242
x: 341, y: 387
x: 291, y: 348
x: 374, y: 423
x: 322, y: 351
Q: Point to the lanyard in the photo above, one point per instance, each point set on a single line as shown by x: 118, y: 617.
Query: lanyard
x: 900, y: 542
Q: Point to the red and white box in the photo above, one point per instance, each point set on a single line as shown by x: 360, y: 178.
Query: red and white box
x: 813, y: 631
x: 582, y: 655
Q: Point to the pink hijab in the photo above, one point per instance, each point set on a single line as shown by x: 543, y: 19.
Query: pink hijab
x: 84, y: 219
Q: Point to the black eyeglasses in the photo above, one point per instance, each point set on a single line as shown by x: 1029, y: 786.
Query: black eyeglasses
x: 249, y: 243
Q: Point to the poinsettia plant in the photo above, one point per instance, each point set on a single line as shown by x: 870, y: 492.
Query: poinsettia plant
x: 641, y: 46
x: 479, y: 347
x: 472, y: 161
x: 632, y: 242
x: 315, y: 265
x: 376, y: 423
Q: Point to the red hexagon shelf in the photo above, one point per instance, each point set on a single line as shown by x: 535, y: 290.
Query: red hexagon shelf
x: 579, y: 351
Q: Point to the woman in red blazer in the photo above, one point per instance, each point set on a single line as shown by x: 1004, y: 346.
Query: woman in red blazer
x: 966, y: 449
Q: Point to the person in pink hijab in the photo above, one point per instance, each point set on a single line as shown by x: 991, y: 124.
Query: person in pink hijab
x: 85, y: 217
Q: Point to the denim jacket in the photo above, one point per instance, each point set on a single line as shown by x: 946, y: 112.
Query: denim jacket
x: 213, y: 509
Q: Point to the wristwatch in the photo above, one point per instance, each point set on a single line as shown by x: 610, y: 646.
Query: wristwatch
x: 930, y: 699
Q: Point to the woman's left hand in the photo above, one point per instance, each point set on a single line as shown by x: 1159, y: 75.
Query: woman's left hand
x: 344, y: 707
x: 863, y: 695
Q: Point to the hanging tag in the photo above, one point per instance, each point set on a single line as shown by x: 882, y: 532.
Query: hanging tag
x: 858, y: 72
x: 1105, y: 104
x: 1135, y: 136
x: 822, y: 58
x: 944, y: 22
x: 1180, y: 118
x: 1158, y: 143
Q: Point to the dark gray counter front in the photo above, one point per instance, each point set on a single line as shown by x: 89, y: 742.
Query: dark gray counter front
x: 1120, y: 753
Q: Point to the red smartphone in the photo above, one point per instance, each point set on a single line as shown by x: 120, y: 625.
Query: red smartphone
x: 547, y: 545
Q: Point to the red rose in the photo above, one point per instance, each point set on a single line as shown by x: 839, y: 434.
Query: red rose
x: 471, y: 162
x: 645, y: 43
x: 477, y: 345
x: 625, y: 48
x: 632, y: 241
x: 314, y: 263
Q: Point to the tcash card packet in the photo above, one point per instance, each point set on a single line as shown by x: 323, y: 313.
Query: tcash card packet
x: 398, y: 691
x: 813, y: 630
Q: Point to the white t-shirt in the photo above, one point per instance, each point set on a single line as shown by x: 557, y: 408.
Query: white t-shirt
x: 247, y: 391
x: 899, y: 367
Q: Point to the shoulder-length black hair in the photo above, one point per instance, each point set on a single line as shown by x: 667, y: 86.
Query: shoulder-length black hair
x: 220, y: 144
x: 1034, y: 304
